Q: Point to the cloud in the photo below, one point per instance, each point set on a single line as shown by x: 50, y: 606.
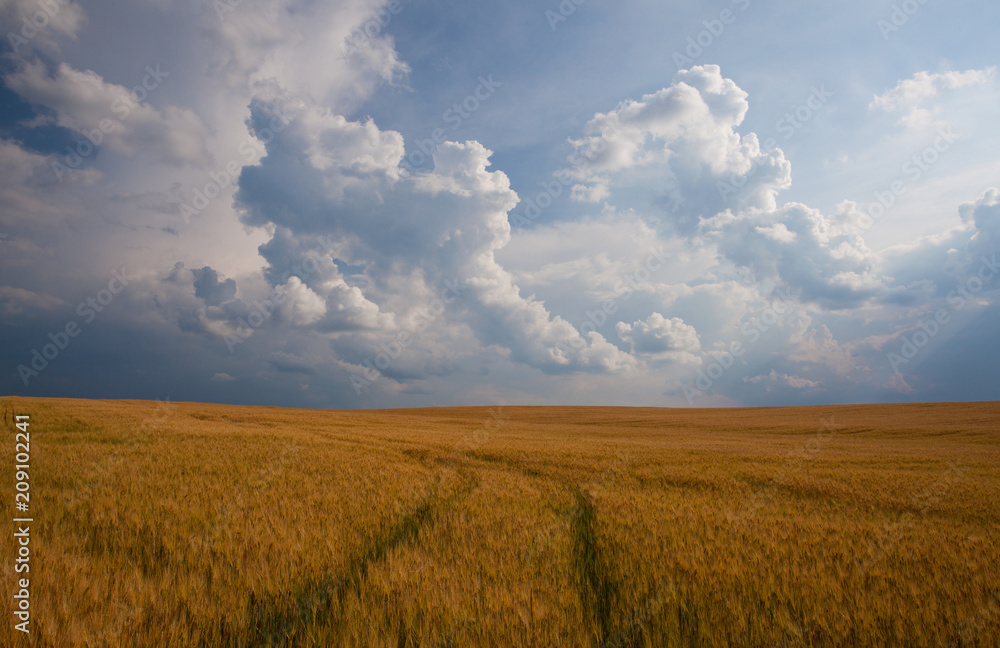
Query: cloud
x: 291, y: 363
x: 824, y: 259
x: 317, y: 160
x: 412, y: 235
x: 208, y: 287
x: 816, y: 347
x: 36, y: 213
x: 30, y: 24
x: 321, y: 255
x: 661, y: 338
x: 931, y: 266
x: 681, y: 141
x: 984, y: 214
x: 110, y: 116
x: 22, y: 172
x: 774, y: 380
x: 264, y: 44
x: 302, y: 306
x: 909, y: 96
x: 16, y: 301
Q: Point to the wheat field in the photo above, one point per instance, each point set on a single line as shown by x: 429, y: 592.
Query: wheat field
x: 181, y: 524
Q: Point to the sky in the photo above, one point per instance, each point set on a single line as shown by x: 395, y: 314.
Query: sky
x: 365, y: 204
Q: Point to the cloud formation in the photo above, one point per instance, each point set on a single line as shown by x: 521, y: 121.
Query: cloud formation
x: 326, y: 175
x: 909, y: 96
x: 113, y: 116
x: 661, y: 338
x: 321, y: 269
x: 682, y: 141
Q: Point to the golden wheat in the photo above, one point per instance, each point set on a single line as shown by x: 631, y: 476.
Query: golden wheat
x: 183, y: 524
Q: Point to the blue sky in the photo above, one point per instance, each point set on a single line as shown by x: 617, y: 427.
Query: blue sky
x: 366, y: 204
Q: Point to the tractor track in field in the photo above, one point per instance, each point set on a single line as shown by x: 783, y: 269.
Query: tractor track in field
x: 600, y: 595
x: 284, y: 618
